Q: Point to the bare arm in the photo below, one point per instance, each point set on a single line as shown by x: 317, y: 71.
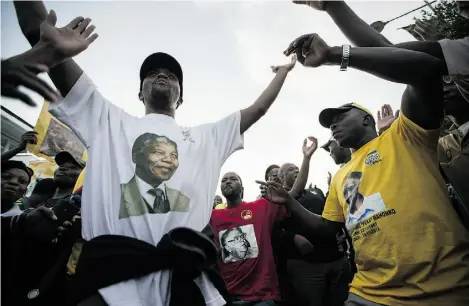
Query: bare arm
x: 259, y: 108
x: 363, y: 35
x: 30, y: 16
x: 301, y: 180
x: 422, y: 101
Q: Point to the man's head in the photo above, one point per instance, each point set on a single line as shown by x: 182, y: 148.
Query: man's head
x: 271, y: 173
x: 161, y: 82
x: 348, y: 124
x: 234, y: 243
x: 351, y: 193
x: 232, y: 186
x: 463, y: 8
x: 287, y: 174
x: 69, y: 169
x: 218, y: 200
x: 15, y: 180
x: 339, y: 155
x: 156, y: 158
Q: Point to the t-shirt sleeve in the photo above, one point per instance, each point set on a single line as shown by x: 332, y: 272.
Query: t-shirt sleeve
x: 84, y: 110
x: 456, y: 53
x: 333, y: 211
x: 227, y: 135
x: 415, y: 134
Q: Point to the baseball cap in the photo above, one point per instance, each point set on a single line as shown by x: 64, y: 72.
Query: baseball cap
x: 16, y: 164
x: 327, y: 144
x: 160, y: 60
x: 326, y: 116
x: 64, y: 157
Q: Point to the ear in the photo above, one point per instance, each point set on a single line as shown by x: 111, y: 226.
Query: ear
x: 367, y: 120
x: 140, y: 97
x: 242, y: 193
x: 179, y: 102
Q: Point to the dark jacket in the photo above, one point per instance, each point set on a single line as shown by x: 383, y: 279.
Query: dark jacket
x: 111, y: 259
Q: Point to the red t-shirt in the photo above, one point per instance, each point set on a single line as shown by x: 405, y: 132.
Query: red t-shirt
x: 247, y: 264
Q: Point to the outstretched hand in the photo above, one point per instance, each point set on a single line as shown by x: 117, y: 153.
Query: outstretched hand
x: 308, y: 151
x: 317, y: 5
x: 288, y: 67
x: 274, y: 192
x: 310, y: 49
x: 69, y: 40
x: 16, y: 72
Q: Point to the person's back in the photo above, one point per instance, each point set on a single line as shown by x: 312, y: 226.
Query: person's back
x: 404, y: 229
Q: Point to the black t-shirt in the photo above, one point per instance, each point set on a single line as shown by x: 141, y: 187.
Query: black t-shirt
x: 326, y: 249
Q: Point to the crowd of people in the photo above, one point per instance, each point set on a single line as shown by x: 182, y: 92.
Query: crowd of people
x: 392, y: 228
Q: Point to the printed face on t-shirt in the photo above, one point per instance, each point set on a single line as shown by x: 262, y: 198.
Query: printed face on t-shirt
x: 238, y: 243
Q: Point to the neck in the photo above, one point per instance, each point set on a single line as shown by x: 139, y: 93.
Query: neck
x: 7, y: 205
x: 366, y: 138
x: 232, y: 203
x: 61, y: 192
x: 162, y: 111
x: 287, y: 188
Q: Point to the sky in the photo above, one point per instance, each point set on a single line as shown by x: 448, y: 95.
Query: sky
x: 226, y: 49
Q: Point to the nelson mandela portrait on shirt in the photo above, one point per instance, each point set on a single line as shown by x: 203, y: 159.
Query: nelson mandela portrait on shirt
x: 156, y: 160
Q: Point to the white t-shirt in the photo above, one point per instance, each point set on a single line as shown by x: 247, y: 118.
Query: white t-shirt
x: 456, y: 53
x: 13, y: 211
x: 112, y: 203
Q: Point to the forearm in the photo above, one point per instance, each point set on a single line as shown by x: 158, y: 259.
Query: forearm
x: 253, y: 113
x: 30, y: 15
x: 300, y: 182
x: 392, y: 64
x: 353, y: 27
x: 11, y: 153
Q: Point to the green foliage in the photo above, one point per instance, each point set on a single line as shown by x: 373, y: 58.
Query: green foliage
x: 447, y: 20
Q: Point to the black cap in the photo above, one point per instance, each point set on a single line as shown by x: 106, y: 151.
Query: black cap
x: 160, y: 60
x: 15, y: 164
x: 64, y: 157
x: 267, y: 171
x: 327, y: 144
x: 326, y: 116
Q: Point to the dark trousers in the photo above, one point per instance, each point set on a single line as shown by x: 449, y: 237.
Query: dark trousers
x: 319, y: 284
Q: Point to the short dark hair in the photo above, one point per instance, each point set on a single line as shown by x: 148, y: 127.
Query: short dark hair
x: 147, y: 140
x: 267, y: 171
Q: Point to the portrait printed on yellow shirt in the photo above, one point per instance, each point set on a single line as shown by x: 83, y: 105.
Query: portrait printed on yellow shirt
x: 156, y: 160
x: 360, y: 207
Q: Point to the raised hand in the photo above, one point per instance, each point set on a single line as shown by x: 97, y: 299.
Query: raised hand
x: 69, y: 40
x: 317, y: 5
x: 386, y: 118
x: 310, y: 49
x: 288, y: 67
x: 16, y: 72
x: 309, y: 151
x: 274, y: 192
x: 28, y: 138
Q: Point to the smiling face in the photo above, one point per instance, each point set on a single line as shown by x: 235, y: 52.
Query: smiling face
x: 160, y: 89
x: 67, y: 174
x: 14, y: 184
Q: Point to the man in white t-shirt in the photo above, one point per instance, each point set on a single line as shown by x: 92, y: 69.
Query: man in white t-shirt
x: 109, y: 133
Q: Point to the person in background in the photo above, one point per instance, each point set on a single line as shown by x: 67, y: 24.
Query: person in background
x: 243, y: 231
x: 340, y: 155
x: 271, y: 173
x: 218, y: 202
x: 15, y: 180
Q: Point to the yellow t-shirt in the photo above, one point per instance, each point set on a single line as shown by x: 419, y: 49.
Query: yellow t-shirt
x: 410, y: 246
x: 221, y: 206
x: 80, y: 180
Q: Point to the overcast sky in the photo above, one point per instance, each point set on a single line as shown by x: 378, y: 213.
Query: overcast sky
x: 226, y: 50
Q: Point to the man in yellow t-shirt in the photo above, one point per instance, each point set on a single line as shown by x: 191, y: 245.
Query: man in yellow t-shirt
x: 411, y: 247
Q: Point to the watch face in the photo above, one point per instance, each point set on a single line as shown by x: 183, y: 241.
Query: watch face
x: 33, y: 294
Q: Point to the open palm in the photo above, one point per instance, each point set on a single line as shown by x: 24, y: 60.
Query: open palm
x: 69, y: 40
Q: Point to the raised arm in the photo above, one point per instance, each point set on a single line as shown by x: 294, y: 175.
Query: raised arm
x: 301, y: 180
x: 422, y: 101
x: 27, y: 138
x: 362, y: 34
x: 259, y: 108
x: 30, y: 16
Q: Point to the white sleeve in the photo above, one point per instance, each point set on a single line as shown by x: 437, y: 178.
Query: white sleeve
x: 227, y: 135
x: 456, y: 53
x: 84, y: 110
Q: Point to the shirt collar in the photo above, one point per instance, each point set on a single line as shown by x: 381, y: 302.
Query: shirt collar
x: 145, y: 187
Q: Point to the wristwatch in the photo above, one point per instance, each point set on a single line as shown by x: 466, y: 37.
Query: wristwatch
x: 345, y: 57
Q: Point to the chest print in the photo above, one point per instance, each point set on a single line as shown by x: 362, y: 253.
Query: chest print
x: 186, y: 135
x: 372, y: 158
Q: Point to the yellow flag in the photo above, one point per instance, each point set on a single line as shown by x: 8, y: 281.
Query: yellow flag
x: 80, y: 180
x: 54, y: 137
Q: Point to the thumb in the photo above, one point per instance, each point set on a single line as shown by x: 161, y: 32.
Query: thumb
x: 52, y: 18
